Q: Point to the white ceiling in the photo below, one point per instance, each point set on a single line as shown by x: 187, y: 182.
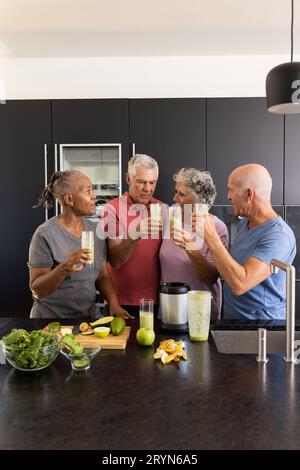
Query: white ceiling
x: 103, y: 28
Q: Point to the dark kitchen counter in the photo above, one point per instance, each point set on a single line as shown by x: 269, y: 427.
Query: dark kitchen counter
x: 251, y: 325
x: 130, y: 401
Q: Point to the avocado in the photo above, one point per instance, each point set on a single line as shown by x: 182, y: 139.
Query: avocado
x: 104, y: 321
x: 117, y: 325
x: 88, y: 332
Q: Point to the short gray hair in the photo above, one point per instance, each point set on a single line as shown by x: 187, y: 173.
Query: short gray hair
x: 200, y: 184
x: 140, y: 159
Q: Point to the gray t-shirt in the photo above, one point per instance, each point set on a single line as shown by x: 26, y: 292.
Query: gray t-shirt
x: 75, y: 297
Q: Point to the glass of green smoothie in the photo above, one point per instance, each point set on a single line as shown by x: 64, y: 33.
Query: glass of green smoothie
x: 199, y: 310
x: 146, y: 313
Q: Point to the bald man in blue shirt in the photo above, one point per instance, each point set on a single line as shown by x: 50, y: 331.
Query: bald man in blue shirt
x: 251, y: 291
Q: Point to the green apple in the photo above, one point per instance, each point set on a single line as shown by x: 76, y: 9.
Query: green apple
x: 145, y: 336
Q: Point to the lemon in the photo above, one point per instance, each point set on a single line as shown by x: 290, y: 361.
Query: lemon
x: 101, y: 331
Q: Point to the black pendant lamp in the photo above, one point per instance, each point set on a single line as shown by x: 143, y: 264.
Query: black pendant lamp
x: 283, y: 83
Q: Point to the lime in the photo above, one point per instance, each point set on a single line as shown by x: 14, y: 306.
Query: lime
x: 81, y: 363
x: 101, y: 331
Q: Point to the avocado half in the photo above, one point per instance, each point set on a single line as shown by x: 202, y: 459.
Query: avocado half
x: 90, y: 331
x: 104, y: 321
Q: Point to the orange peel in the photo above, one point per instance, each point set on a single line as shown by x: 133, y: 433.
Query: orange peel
x: 170, y: 350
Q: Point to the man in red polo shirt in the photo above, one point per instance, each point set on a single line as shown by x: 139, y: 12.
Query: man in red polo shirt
x: 133, y: 251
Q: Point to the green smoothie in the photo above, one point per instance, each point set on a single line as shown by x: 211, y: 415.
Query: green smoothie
x: 146, y: 320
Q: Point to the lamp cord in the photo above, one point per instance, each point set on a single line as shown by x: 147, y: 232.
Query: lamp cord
x: 292, y: 32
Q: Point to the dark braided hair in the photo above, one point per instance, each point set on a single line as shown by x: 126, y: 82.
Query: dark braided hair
x: 56, y: 188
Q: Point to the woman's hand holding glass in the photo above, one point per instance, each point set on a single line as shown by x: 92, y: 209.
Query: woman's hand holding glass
x: 77, y: 260
x: 184, y: 239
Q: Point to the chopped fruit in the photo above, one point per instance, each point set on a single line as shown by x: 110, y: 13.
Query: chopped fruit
x: 170, y: 350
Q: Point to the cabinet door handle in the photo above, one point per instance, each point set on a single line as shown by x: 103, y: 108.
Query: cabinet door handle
x: 55, y: 169
x: 133, y: 148
x: 46, y: 174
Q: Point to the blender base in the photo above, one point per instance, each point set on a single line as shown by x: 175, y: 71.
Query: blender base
x: 182, y: 328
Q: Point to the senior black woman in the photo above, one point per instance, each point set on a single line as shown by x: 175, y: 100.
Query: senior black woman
x: 62, y: 282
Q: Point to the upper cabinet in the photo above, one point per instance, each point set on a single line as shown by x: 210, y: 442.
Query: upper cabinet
x: 240, y: 131
x: 173, y: 132
x: 25, y: 137
x: 292, y: 159
x: 92, y: 121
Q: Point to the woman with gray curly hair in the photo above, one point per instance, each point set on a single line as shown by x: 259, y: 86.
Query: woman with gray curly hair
x: 199, y: 183
x: 183, y: 258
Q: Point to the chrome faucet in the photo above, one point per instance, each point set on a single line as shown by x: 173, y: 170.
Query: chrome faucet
x: 290, y: 307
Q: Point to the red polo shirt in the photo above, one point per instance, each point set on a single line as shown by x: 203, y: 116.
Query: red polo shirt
x: 139, y: 276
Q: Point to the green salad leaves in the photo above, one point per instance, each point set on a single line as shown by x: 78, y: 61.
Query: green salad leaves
x: 30, y: 350
x: 72, y: 344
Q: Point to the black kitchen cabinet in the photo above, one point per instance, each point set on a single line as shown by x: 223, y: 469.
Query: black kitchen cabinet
x: 25, y: 128
x: 173, y: 132
x: 292, y: 159
x: 292, y: 214
x: 92, y: 121
x: 240, y: 131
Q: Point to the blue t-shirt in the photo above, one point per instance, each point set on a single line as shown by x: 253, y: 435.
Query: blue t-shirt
x: 266, y: 301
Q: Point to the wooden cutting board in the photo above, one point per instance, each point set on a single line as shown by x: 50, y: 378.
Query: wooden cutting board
x: 110, y: 342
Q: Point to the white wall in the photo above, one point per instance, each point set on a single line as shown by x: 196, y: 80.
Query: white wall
x: 136, y: 77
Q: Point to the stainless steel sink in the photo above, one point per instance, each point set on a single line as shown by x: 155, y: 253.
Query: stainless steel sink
x: 278, y: 340
x: 246, y: 341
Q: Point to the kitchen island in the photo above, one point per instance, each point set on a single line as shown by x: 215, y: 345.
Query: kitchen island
x: 128, y: 401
